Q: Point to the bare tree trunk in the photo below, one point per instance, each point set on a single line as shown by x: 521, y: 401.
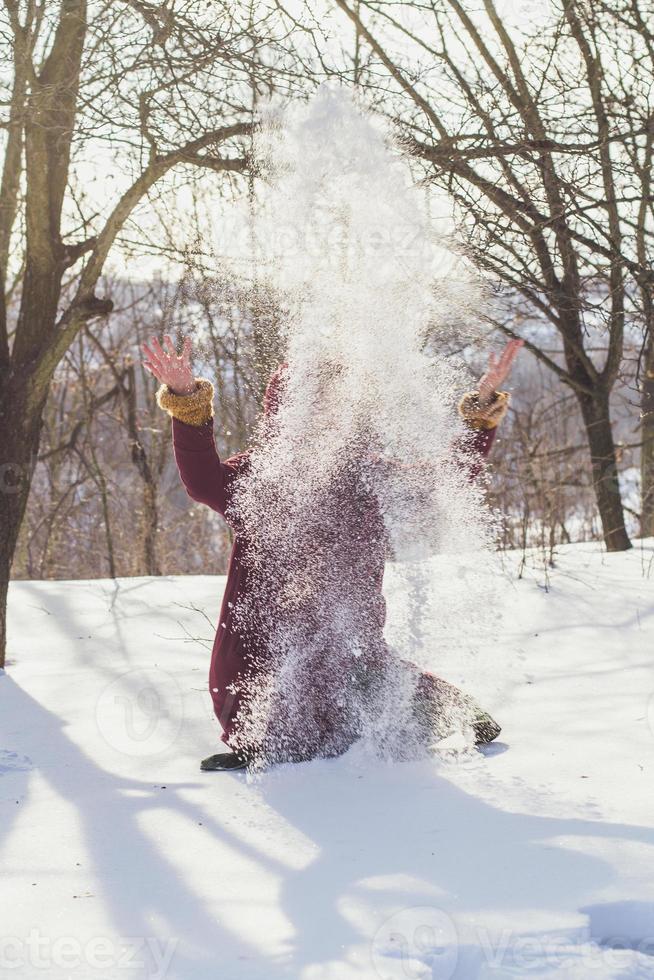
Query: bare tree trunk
x: 144, y: 467
x: 595, y: 412
x: 20, y: 444
x: 647, y: 450
x: 150, y: 522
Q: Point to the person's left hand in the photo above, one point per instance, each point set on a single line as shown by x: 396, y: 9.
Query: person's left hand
x: 498, y: 371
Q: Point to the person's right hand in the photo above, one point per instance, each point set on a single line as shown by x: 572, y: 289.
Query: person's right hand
x: 167, y: 367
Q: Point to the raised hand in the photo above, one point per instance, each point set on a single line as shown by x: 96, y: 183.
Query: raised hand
x: 498, y: 370
x: 169, y: 368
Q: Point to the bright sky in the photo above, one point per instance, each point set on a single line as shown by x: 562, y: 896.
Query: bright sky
x: 104, y: 181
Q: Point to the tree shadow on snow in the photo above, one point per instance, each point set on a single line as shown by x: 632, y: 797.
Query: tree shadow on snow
x: 143, y: 890
x: 399, y: 837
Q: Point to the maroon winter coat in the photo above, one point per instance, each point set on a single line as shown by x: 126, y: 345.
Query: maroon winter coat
x: 209, y: 480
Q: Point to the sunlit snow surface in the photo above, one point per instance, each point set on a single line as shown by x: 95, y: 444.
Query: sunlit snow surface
x: 120, y: 859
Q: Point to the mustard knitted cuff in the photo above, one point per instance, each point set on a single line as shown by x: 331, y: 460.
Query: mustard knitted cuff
x: 193, y: 409
x: 488, y: 416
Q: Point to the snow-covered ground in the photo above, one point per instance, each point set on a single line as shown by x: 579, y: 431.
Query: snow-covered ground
x: 121, y: 860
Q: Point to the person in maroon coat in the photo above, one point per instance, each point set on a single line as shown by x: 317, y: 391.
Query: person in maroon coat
x: 351, y: 559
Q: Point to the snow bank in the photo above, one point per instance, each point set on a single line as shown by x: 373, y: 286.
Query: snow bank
x: 120, y: 859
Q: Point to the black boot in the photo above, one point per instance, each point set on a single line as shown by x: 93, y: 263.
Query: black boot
x: 224, y: 762
x: 485, y: 728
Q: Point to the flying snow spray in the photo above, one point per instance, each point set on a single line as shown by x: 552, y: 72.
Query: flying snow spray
x: 362, y: 460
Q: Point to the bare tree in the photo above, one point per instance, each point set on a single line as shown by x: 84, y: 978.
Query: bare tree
x: 524, y: 128
x: 105, y: 498
x: 149, y: 89
x: 542, y: 480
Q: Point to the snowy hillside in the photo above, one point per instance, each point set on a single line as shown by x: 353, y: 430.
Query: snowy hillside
x: 120, y: 859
